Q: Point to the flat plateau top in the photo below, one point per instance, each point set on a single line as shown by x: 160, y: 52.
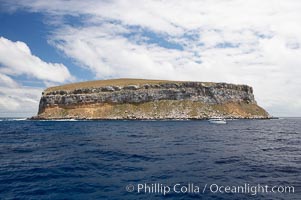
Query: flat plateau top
x: 113, y: 82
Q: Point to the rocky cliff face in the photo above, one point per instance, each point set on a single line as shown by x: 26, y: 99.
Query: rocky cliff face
x: 148, y: 99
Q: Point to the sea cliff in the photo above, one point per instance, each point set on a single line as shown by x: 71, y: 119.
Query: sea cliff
x: 148, y: 99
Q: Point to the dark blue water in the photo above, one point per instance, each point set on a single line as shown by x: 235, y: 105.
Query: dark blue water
x: 98, y: 159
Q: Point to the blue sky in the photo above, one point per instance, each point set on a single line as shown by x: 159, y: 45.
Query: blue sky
x: 45, y: 43
x: 31, y: 29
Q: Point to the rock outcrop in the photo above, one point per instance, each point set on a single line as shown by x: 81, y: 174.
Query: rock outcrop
x: 149, y: 99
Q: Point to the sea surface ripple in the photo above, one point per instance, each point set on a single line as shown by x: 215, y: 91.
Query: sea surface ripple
x: 98, y: 159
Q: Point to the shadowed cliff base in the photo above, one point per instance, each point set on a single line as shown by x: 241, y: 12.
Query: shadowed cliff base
x: 149, y: 99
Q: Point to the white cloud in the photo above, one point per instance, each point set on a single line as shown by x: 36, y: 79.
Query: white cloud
x: 16, y: 59
x: 7, y: 81
x: 254, y: 42
x: 24, y: 100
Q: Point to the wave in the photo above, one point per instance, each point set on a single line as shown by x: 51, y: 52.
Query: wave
x: 59, y: 120
x: 13, y: 119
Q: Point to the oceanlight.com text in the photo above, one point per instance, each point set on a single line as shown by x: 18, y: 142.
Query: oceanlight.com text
x: 192, y: 188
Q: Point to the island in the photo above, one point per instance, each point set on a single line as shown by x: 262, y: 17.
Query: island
x: 149, y: 99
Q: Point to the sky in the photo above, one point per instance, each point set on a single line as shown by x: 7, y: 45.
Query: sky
x: 46, y: 43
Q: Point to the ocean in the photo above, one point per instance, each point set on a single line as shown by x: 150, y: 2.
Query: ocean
x: 243, y: 159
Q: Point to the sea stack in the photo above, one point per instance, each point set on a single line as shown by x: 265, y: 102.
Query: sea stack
x: 149, y: 99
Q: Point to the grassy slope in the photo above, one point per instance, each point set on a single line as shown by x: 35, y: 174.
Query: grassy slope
x: 111, y: 82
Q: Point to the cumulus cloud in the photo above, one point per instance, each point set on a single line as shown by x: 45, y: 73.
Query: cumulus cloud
x: 16, y: 99
x: 17, y: 59
x: 21, y: 101
x: 7, y: 81
x: 253, y: 42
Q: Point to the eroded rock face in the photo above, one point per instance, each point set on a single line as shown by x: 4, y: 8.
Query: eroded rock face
x: 65, y: 102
